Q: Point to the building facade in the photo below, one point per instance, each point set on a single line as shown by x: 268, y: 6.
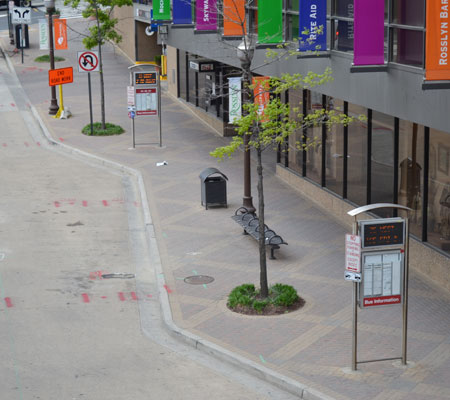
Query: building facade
x: 399, y: 154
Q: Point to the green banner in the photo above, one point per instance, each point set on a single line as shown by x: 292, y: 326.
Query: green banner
x: 270, y: 21
x: 161, y: 10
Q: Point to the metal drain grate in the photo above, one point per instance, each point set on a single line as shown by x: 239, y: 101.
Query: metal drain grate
x: 199, y: 279
x: 120, y: 275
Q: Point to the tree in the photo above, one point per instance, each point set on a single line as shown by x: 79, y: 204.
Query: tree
x: 102, y: 31
x: 271, y: 128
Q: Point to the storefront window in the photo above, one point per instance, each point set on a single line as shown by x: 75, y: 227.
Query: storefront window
x: 439, y: 190
x: 335, y: 150
x: 192, y: 86
x: 182, y: 73
x: 357, y: 157
x: 314, y: 135
x: 382, y: 161
x: 295, y: 153
x: 410, y: 191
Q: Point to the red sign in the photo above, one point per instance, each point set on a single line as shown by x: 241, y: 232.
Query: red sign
x: 261, y: 92
x: 60, y: 76
x: 60, y: 34
x: 382, y: 300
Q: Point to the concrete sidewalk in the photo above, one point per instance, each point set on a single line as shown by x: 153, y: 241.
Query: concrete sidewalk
x: 311, y: 346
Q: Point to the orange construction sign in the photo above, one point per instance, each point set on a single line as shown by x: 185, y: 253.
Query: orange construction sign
x: 60, y: 34
x: 437, y: 65
x: 60, y: 76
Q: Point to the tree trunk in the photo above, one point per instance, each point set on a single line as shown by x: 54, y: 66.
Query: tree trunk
x: 262, y: 237
x: 100, y: 61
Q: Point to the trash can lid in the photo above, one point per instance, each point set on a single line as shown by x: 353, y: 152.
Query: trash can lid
x: 210, y: 171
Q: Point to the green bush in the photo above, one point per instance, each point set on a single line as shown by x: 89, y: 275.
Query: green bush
x: 110, y: 129
x: 46, y: 58
x: 247, y: 295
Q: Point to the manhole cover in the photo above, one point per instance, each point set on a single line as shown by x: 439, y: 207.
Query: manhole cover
x: 119, y: 275
x: 199, y: 279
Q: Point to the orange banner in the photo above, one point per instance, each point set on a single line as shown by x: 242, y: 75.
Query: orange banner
x: 234, y: 18
x: 60, y: 34
x: 261, y: 92
x: 437, y: 65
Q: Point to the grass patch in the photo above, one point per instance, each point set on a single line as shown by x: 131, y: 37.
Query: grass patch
x: 246, y: 299
x: 46, y: 58
x: 110, y: 129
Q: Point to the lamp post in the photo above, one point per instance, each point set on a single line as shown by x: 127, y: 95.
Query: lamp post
x: 245, y: 54
x: 50, y: 6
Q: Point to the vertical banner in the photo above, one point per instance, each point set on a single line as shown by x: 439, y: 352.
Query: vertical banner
x: 161, y: 10
x: 43, y: 34
x: 234, y: 23
x: 60, y: 29
x: 270, y: 21
x: 206, y: 15
x: 261, y: 92
x: 234, y: 99
x: 182, y: 12
x: 369, y: 32
x: 437, y: 66
x: 312, y: 25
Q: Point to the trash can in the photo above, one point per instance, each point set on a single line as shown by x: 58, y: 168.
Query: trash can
x: 213, y: 187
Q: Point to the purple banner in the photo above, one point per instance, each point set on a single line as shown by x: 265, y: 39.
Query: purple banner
x: 369, y: 32
x: 206, y: 15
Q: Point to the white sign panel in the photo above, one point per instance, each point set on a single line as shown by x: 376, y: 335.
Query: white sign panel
x: 353, y: 253
x: 130, y: 95
x: 43, y: 34
x: 234, y: 98
x: 21, y: 15
x: 88, y: 61
x: 352, y: 276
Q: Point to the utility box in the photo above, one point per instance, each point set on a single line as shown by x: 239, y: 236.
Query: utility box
x: 213, y: 187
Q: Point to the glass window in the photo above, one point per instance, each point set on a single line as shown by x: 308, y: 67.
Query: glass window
x: 357, y: 157
x: 192, y: 88
x: 410, y: 193
x: 335, y: 150
x: 382, y: 162
x: 182, y: 73
x: 407, y: 47
x: 314, y: 135
x: 343, y: 36
x: 295, y: 153
x: 292, y: 27
x: 344, y: 8
x: 439, y: 190
x: 408, y: 12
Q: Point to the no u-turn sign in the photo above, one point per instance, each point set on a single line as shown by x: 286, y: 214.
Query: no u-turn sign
x: 88, y: 61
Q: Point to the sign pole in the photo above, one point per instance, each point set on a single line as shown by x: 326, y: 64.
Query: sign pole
x: 90, y: 103
x: 134, y: 136
x: 355, y: 312
x: 22, y: 38
x: 159, y: 113
x: 405, y: 294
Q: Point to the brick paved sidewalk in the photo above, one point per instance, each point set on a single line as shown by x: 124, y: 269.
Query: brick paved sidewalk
x: 312, y: 345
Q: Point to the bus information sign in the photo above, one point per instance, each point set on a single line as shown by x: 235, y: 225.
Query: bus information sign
x: 145, y: 78
x: 386, y: 232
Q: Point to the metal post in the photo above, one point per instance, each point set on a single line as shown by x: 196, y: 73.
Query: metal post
x: 22, y: 39
x: 355, y: 312
x: 53, y: 109
x: 133, y: 131
x: 90, y: 103
x: 405, y: 295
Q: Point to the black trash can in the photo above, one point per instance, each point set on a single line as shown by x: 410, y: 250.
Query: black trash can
x: 214, y: 187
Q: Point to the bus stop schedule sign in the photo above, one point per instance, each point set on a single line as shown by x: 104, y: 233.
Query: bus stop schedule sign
x: 145, y: 78
x: 146, y: 101
x: 382, y: 262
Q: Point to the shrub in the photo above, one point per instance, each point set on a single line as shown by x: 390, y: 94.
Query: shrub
x: 46, y: 58
x: 110, y: 129
x: 284, y: 295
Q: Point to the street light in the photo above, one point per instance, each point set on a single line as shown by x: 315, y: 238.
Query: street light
x: 50, y: 6
x: 245, y: 54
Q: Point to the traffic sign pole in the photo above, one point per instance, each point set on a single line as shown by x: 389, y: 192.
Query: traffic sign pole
x: 90, y: 103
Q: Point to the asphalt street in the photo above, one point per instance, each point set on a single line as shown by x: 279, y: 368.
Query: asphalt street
x: 79, y: 312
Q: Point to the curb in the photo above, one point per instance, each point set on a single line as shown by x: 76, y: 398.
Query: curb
x: 283, y: 382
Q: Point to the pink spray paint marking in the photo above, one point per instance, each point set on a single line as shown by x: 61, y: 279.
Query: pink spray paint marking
x: 4, y: 145
x: 134, y: 296
x: 8, y: 302
x: 61, y: 139
x: 149, y: 295
x: 85, y: 203
x: 96, y: 275
x: 38, y: 143
x: 13, y: 105
x: 167, y: 288
x: 26, y: 144
x: 121, y: 296
x: 57, y: 204
x: 105, y: 203
x: 85, y: 298
x: 104, y: 297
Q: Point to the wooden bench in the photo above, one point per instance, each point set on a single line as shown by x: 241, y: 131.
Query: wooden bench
x: 250, y: 223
